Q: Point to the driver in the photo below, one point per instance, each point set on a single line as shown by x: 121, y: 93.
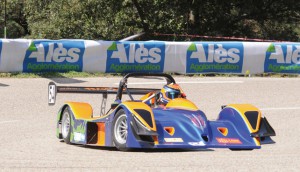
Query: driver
x: 169, y: 92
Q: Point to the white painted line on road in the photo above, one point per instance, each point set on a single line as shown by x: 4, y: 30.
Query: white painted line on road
x: 2, y: 122
x: 281, y: 108
x: 211, y: 82
x: 187, y: 82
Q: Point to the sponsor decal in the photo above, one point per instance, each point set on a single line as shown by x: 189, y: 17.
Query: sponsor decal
x: 51, y: 94
x: 78, y: 126
x: 124, y: 57
x: 196, y: 143
x: 215, y: 57
x: 283, y: 58
x: 79, y: 137
x: 197, y: 120
x: 173, y: 140
x: 228, y: 140
x: 54, y: 56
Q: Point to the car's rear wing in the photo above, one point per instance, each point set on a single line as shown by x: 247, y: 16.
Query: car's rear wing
x: 53, y: 89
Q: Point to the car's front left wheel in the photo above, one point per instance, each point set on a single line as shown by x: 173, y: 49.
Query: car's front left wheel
x: 120, y: 130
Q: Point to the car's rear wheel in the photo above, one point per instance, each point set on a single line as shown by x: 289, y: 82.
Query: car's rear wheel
x: 66, y: 125
x: 120, y: 130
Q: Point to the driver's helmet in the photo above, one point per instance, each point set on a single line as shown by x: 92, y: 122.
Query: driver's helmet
x: 169, y: 92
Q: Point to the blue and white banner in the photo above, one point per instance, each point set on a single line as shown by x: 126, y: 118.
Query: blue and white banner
x: 54, y: 56
x: 215, y: 57
x: 283, y: 58
x: 25, y: 55
x: 125, y: 57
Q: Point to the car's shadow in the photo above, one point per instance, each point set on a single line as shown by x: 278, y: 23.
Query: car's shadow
x: 3, y: 85
x: 144, y: 150
x: 61, y: 79
x: 65, y: 80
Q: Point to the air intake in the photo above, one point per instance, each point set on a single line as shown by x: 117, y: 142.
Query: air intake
x: 223, y: 130
x: 204, y: 137
x: 146, y: 115
x: 252, y: 117
x: 170, y: 130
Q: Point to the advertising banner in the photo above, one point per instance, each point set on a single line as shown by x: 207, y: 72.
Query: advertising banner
x: 54, y: 56
x: 215, y: 57
x: 125, y: 57
x: 25, y: 55
x: 283, y: 58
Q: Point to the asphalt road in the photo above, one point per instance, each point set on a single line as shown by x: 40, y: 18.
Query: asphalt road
x: 28, y: 141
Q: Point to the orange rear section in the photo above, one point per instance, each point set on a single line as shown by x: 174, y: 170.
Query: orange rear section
x: 81, y: 110
x: 101, y: 134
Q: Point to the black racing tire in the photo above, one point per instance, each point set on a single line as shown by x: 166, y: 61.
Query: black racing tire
x: 120, y: 130
x: 66, y: 125
x: 236, y: 149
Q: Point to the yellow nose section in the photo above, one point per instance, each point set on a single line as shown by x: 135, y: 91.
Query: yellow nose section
x: 181, y: 103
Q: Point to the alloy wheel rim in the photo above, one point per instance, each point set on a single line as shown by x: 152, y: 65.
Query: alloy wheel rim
x: 120, y: 129
x: 65, y: 125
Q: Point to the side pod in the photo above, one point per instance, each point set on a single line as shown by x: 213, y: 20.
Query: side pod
x: 249, y: 120
x: 80, y: 112
x: 143, y: 132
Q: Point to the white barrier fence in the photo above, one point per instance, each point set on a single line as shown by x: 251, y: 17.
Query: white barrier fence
x: 23, y: 55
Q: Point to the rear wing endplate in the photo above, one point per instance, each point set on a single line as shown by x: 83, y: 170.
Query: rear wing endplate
x: 51, y: 93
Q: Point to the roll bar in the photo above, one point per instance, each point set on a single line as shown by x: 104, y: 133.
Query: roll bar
x: 123, y: 82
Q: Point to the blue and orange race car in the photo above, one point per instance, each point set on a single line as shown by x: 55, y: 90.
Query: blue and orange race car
x: 161, y: 118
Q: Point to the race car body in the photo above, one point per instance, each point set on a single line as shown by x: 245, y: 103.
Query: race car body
x: 145, y: 123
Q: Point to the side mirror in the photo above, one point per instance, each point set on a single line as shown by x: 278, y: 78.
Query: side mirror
x: 224, y: 106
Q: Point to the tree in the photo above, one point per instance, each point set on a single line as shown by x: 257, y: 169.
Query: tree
x: 82, y: 19
x: 16, y: 20
x: 114, y: 20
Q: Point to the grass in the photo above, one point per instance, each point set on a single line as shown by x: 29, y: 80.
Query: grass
x: 73, y: 74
